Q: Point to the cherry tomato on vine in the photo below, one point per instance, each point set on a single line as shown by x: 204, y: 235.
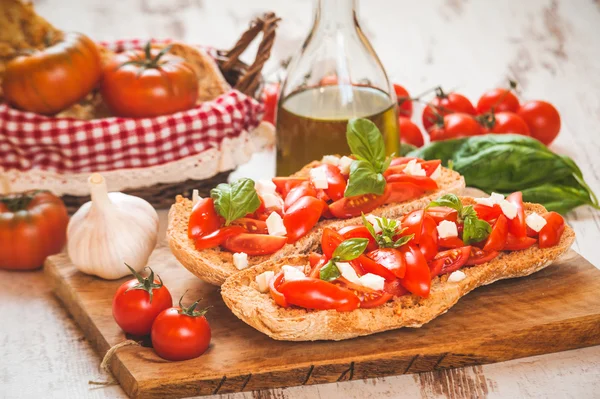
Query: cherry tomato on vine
x: 405, y: 106
x: 409, y: 132
x: 455, y: 125
x: 506, y: 122
x: 543, y: 120
x: 445, y: 104
x: 138, y: 302
x: 497, y: 100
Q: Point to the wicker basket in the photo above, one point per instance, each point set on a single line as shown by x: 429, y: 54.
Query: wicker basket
x: 244, y: 78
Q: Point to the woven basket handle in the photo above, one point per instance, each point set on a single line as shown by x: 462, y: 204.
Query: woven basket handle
x: 250, y: 80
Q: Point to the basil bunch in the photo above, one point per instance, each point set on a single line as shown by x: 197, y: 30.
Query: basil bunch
x: 505, y: 163
x: 474, y: 229
x: 347, y: 250
x: 390, y: 229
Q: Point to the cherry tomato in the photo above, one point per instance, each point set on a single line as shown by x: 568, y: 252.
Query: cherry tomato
x: 515, y: 244
x: 317, y: 262
x: 429, y: 238
x: 301, y: 217
x: 450, y: 242
x: 318, y: 294
x: 314, y: 258
x: 507, y: 122
x: 517, y: 226
x: 395, y: 288
x: 405, y: 106
x: 550, y: 234
x: 181, y: 333
x: 409, y: 132
x: 403, y: 161
x: 304, y: 189
x: 367, y: 265
x: 402, y: 192
x: 449, y: 261
x: 218, y: 237
x: 424, y: 182
x: 497, y: 238
x: 252, y: 225
x: 285, y: 184
x: 254, y: 244
x: 440, y: 213
x: 497, y: 100
x: 479, y: 256
x: 348, y: 207
x: 359, y: 232
x: 330, y: 240
x: 336, y: 183
x: 417, y: 279
x: 138, y: 301
x: 391, y: 259
x: 413, y: 224
x: 430, y: 166
x: 543, y: 120
x: 445, y: 104
x: 277, y: 296
x: 374, y: 299
x: 454, y: 126
x: 203, y: 219
x: 487, y: 213
x: 270, y: 95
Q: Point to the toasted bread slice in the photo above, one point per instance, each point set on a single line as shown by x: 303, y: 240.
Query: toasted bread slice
x: 257, y: 309
x: 215, y: 265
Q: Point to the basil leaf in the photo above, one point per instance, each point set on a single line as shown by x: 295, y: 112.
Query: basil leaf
x: 350, y: 249
x: 364, y: 179
x: 475, y: 230
x: 366, y: 142
x: 329, y: 272
x: 558, y: 197
x: 368, y: 225
x: 403, y: 240
x: 233, y: 201
x: 448, y: 200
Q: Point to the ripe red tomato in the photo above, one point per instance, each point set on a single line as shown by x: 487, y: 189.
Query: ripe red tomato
x: 401, y: 192
x: 445, y: 104
x: 138, y: 302
x: 374, y: 299
x: 277, y: 296
x: 487, y: 213
x: 479, y: 256
x: 218, y: 237
x: 449, y: 261
x: 394, y: 288
x: 367, y: 265
x: 140, y: 84
x: 413, y: 224
x: 417, y: 279
x: 33, y: 226
x: 304, y: 189
x: 203, y: 219
x: 359, y: 232
x: 391, y: 259
x: 252, y: 225
x: 348, y: 207
x: 497, y: 100
x: 515, y: 244
x: 450, y: 242
x: 336, y: 183
x: 439, y: 213
x: 254, y: 244
x: 301, y: 217
x: 409, y: 132
x: 285, y: 184
x: 506, y: 122
x: 424, y: 182
x: 550, y: 234
x: 497, y: 238
x: 405, y: 106
x: 181, y: 333
x: 270, y: 96
x: 429, y: 238
x: 517, y: 226
x: 318, y: 294
x: 543, y: 120
x: 455, y: 125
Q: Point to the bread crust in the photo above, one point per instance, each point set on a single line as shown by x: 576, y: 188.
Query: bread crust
x: 215, y: 265
x: 241, y: 295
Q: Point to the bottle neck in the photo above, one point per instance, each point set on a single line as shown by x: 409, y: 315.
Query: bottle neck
x: 335, y: 14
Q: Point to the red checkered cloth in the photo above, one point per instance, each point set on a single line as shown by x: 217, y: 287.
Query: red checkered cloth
x: 67, y: 145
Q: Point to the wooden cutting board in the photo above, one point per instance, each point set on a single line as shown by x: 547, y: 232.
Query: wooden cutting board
x: 553, y: 310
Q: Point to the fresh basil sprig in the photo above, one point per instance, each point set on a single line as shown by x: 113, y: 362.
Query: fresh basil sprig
x: 347, y: 250
x: 389, y: 229
x: 235, y: 200
x: 366, y: 172
x: 474, y: 229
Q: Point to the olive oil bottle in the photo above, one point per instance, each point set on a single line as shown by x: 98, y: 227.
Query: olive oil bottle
x: 311, y: 123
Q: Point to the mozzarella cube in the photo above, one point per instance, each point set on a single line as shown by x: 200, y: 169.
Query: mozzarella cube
x: 414, y: 169
x: 264, y: 279
x: 497, y: 197
x: 344, y: 165
x: 348, y: 272
x: 275, y: 225
x: 374, y: 221
x: 485, y: 201
x: 291, y: 273
x: 331, y: 160
x: 535, y: 222
x: 272, y: 200
x: 437, y: 173
x: 447, y: 229
x: 240, y: 260
x: 319, y: 178
x: 372, y: 281
x: 456, y: 276
x: 195, y: 198
x: 508, y: 209
x: 264, y: 187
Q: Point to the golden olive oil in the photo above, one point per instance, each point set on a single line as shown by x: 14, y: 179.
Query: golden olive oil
x: 312, y: 123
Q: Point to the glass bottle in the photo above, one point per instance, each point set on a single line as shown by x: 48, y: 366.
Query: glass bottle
x: 335, y: 77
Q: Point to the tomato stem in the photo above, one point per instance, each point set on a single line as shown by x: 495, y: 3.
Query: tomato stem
x: 145, y: 283
x: 20, y: 201
x: 191, y: 310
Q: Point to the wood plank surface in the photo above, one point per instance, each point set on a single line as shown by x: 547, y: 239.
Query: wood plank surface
x: 553, y: 310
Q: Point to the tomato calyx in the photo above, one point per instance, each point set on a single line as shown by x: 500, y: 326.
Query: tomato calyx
x: 191, y: 310
x: 19, y: 201
x: 145, y: 283
x: 148, y: 62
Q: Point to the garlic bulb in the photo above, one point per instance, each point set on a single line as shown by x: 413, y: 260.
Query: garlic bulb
x: 111, y: 230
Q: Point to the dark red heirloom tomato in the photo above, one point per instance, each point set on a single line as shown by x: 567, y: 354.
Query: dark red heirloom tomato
x: 497, y: 100
x: 203, y: 219
x: 33, y: 225
x: 181, y: 333
x: 318, y: 294
x: 444, y: 104
x: 138, y: 302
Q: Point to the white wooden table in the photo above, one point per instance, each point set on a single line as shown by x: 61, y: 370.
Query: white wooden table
x: 550, y: 47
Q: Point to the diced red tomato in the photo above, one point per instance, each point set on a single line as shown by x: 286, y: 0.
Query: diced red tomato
x: 252, y: 225
x: 429, y: 238
x: 424, y: 182
x: 275, y: 294
x: 314, y: 258
x: 254, y: 244
x: 402, y: 161
x: 304, y: 189
x: 517, y: 225
x: 550, y: 234
x: 359, y: 232
x: 330, y: 241
x: 417, y: 279
x: 487, y: 213
x: 413, y: 223
x: 401, y: 192
x: 450, y: 242
x: 479, y: 256
x: 348, y: 207
x: 203, y: 219
x: 301, y: 217
x: 430, y: 166
x: 285, y: 184
x: 375, y: 299
x: 368, y: 265
x: 497, y: 238
x: 318, y: 294
x: 449, y: 261
x: 516, y: 244
x: 439, y: 213
x: 391, y: 259
x: 317, y: 261
x: 336, y: 183
x: 394, y: 288
x: 218, y: 237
